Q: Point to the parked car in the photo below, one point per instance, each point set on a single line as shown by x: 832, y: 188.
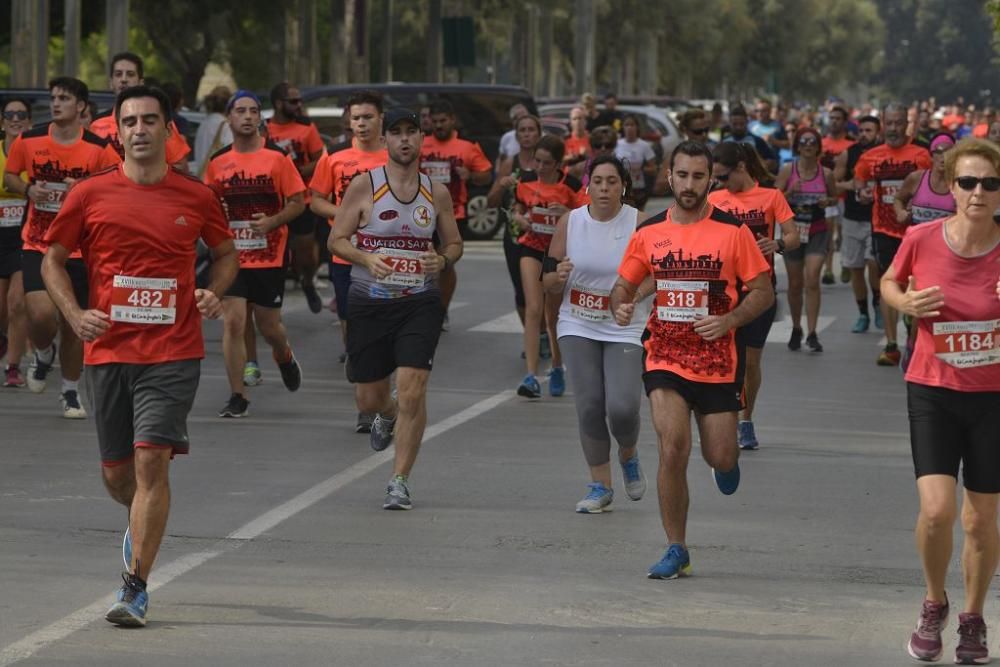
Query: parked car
x: 482, y: 112
x: 655, y: 126
x: 674, y: 106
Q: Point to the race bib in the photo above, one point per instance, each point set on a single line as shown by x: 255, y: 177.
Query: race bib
x: 588, y: 303
x: 12, y: 212
x: 245, y: 238
x: 143, y: 300
x: 967, y: 344
x: 831, y: 212
x: 288, y: 146
x: 53, y: 201
x: 803, y: 228
x: 926, y: 214
x: 542, y: 221
x: 889, y: 190
x: 407, y: 269
x: 681, y: 300
x: 438, y: 171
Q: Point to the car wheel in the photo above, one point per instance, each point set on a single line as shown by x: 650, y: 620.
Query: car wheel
x: 482, y: 222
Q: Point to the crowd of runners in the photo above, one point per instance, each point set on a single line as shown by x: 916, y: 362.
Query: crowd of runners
x: 102, y: 223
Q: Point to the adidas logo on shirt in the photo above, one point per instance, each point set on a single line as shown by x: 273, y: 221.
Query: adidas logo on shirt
x: 181, y: 221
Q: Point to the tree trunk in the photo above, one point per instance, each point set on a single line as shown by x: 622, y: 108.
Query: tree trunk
x: 71, y: 61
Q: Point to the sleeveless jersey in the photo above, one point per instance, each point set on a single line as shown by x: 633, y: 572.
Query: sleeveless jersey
x: 853, y: 209
x: 400, y: 232
x: 810, y: 216
x: 927, y: 204
x: 596, y: 250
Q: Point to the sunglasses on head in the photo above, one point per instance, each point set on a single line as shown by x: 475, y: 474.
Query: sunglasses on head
x: 15, y: 115
x: 969, y: 183
x: 602, y: 147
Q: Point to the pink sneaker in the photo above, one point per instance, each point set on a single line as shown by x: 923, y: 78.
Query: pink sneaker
x: 13, y: 377
x: 972, y: 648
x: 925, y: 642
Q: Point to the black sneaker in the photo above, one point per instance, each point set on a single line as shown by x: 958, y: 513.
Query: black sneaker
x: 795, y: 342
x: 312, y: 297
x: 812, y: 342
x: 342, y: 358
x: 291, y: 374
x: 364, y: 423
x: 236, y: 407
x: 381, y: 434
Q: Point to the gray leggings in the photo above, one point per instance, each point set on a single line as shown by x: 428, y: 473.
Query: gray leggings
x: 607, y: 385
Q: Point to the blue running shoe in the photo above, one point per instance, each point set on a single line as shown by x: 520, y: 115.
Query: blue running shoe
x: 878, y: 319
x: 127, y: 549
x: 745, y: 436
x: 635, y: 480
x: 727, y: 482
x: 130, y: 608
x: 862, y: 324
x: 597, y: 500
x: 529, y: 387
x: 557, y: 381
x: 675, y: 563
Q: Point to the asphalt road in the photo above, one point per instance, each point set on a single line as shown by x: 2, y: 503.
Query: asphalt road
x: 278, y: 551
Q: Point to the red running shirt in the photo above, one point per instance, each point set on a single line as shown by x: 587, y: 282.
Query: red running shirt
x: 299, y: 138
x: 759, y: 208
x: 138, y: 244
x: 48, y: 163
x: 888, y: 167
x: 252, y: 183
x: 698, y: 269
x: 440, y: 160
x: 960, y: 349
x: 536, y: 197
x: 106, y: 127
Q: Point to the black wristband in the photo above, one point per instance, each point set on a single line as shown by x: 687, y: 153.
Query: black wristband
x: 781, y: 246
x: 549, y: 264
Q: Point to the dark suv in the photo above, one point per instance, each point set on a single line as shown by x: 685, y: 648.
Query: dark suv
x: 482, y: 113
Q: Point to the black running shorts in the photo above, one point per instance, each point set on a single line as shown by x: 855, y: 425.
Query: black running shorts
x: 31, y: 265
x: 703, y: 397
x: 884, y: 248
x: 400, y: 332
x: 261, y: 287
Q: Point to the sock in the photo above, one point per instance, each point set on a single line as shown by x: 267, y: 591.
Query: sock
x: 47, y: 356
x: 890, y: 347
x: 863, y: 307
x: 401, y: 478
x: 876, y: 299
x: 69, y: 385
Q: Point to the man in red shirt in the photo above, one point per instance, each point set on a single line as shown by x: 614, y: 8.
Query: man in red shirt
x: 329, y: 183
x: 453, y: 162
x: 142, y: 331
x: 694, y: 257
x: 879, y: 174
x: 263, y: 192
x: 834, y: 143
x: 54, y: 156
x: 126, y: 71
x: 291, y: 130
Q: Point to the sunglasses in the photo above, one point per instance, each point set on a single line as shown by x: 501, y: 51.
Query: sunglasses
x: 722, y: 178
x: 293, y: 100
x: 603, y: 147
x: 15, y: 115
x: 699, y: 130
x: 807, y: 142
x: 969, y: 183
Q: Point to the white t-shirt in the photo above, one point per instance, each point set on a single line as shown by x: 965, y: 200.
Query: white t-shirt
x: 596, y: 250
x: 635, y: 154
x: 508, y: 144
x: 206, y: 135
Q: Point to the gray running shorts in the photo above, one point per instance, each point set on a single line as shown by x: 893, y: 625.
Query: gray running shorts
x: 856, y: 243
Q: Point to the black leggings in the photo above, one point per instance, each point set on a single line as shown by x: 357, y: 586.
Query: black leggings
x: 512, y: 252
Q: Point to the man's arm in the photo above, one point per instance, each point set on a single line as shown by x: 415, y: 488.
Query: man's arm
x: 554, y: 282
x: 355, y: 206
x: 758, y: 299
x: 292, y: 209
x: 901, y: 204
x: 840, y: 174
x: 451, y: 247
x: 480, y: 178
x: 86, y: 324
x: 321, y: 206
x: 225, y: 266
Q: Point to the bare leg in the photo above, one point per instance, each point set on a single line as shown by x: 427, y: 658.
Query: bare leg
x: 70, y: 353
x: 672, y: 421
x: 411, y: 383
x: 533, y: 311
x: 234, y: 321
x: 718, y: 437
x: 150, y: 506
x: 448, y: 282
x: 305, y: 257
x: 752, y: 380
x: 17, y: 324
x: 814, y: 264
x: 981, y: 548
x: 552, y: 305
x: 938, y: 511
x: 250, y: 336
x: 795, y: 282
x: 273, y: 330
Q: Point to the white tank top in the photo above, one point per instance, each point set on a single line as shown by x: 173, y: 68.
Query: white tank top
x: 401, y: 232
x: 596, y: 250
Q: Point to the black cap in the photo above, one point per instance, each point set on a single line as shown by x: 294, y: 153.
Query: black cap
x: 396, y: 116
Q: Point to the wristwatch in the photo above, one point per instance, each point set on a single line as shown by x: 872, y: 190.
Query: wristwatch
x: 781, y: 246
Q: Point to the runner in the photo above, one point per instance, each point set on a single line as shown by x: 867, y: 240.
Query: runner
x: 54, y: 156
x: 738, y: 124
x: 501, y: 195
x: 738, y: 167
x: 395, y: 303
x: 835, y: 142
x: 810, y: 190
x: 454, y: 163
x: 143, y: 334
x: 603, y: 141
x: 262, y: 192
x: 542, y: 197
x: 925, y: 194
x: 508, y: 142
x: 694, y: 124
x: 125, y: 72
x: 296, y: 135
x: 605, y: 360
x: 329, y: 183
x: 577, y: 143
x: 769, y: 128
x: 698, y: 255
x: 640, y: 159
x: 13, y: 326
x: 881, y: 171
x: 945, y: 276
x: 856, y: 226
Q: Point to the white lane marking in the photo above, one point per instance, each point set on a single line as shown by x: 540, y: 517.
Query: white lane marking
x: 509, y: 323
x: 782, y: 331
x: 27, y: 646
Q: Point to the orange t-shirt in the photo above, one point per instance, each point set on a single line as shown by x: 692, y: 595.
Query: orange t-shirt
x: 888, y: 167
x: 439, y: 159
x: 698, y: 269
x: 758, y: 208
x: 139, y: 244
x: 299, y: 138
x: 335, y: 171
x: 49, y: 163
x: 832, y: 148
x: 107, y: 127
x: 536, y: 197
x: 577, y: 146
x: 252, y: 183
